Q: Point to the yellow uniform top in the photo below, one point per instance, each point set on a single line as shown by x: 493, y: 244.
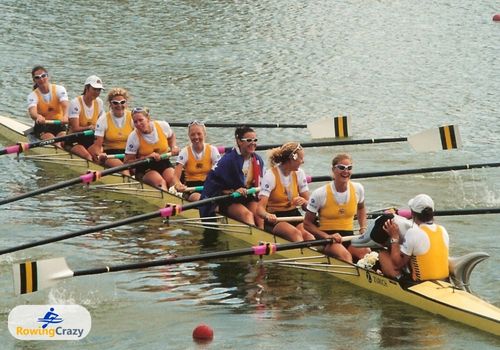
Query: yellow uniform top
x: 434, y: 263
x: 51, y: 110
x: 84, y: 119
x: 280, y: 199
x: 161, y: 146
x: 115, y: 137
x: 197, y: 170
x: 335, y: 216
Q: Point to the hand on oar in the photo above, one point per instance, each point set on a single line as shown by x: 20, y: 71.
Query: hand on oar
x: 22, y: 147
x: 446, y: 212
x: 327, y: 127
x: 164, y: 212
x: 442, y: 138
x: 87, y: 178
x: 32, y: 276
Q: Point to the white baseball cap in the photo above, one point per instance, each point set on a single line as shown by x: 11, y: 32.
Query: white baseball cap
x: 420, y: 202
x: 94, y: 81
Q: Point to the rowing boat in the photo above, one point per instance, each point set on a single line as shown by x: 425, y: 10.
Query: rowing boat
x: 448, y: 299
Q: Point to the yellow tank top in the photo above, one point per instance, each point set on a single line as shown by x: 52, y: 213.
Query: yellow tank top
x: 161, y: 146
x: 115, y: 137
x: 280, y: 198
x: 334, y: 216
x: 433, y: 265
x: 51, y: 110
x: 197, y: 170
x: 84, y: 119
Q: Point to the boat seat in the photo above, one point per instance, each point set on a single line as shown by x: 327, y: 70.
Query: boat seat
x: 461, y: 269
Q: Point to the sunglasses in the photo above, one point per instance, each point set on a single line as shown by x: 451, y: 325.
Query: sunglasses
x: 116, y: 103
x: 140, y: 110
x: 246, y: 139
x: 195, y: 122
x: 343, y: 167
x: 41, y: 76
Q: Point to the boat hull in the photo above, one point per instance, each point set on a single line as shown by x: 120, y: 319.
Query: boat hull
x: 437, y: 297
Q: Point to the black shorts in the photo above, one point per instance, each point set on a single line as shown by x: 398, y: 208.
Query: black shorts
x: 223, y: 205
x: 54, y: 129
x: 159, y: 166
x: 114, y: 151
x: 280, y: 214
x: 84, y: 140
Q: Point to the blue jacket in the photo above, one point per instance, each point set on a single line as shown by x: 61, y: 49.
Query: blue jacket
x: 227, y: 174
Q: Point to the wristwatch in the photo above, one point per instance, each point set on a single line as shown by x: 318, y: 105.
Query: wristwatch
x: 394, y: 240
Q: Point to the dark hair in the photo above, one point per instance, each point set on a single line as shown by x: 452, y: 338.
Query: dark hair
x: 242, y: 130
x: 35, y: 68
x: 427, y: 215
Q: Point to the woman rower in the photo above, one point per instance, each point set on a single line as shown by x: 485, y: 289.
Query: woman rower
x: 84, y: 110
x: 46, y: 103
x: 336, y: 204
x: 284, y: 188
x: 152, y: 139
x: 237, y: 170
x: 195, y: 160
x: 112, y: 129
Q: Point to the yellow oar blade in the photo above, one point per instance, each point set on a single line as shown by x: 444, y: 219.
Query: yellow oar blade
x: 445, y: 137
x: 328, y: 127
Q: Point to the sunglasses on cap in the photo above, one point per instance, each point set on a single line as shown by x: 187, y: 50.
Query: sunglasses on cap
x: 246, y: 139
x: 41, y: 76
x: 343, y: 167
x: 116, y: 103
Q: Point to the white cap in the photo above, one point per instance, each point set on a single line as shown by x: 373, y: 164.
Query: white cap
x: 94, y: 81
x: 420, y: 202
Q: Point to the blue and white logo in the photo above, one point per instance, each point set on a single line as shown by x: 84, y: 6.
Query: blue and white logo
x: 49, y: 322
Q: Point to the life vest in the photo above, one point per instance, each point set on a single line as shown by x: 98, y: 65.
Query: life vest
x: 433, y: 265
x: 197, y: 169
x: 115, y: 137
x: 280, y: 199
x: 84, y: 119
x: 161, y: 146
x: 51, y: 110
x: 334, y: 216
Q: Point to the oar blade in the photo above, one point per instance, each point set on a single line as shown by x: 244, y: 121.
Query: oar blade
x: 328, y: 127
x: 31, y: 276
x: 446, y: 137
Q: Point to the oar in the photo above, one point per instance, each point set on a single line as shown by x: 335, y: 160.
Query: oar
x: 323, y: 128
x: 445, y: 212
x: 164, y: 212
x: 32, y: 276
x: 87, y: 178
x: 408, y: 171
x: 22, y: 147
x: 442, y: 138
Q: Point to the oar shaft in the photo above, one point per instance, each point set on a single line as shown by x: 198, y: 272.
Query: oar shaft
x: 445, y: 212
x: 22, y: 147
x: 235, y: 125
x: 256, y: 250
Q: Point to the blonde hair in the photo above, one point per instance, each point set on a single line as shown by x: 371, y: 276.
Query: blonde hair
x: 117, y: 92
x: 340, y: 157
x: 287, y: 151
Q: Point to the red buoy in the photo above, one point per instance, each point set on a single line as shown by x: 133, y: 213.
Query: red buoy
x: 203, y: 333
x: 496, y: 17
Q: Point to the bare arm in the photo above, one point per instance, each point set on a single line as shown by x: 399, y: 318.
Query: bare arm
x: 362, y: 219
x: 397, y: 257
x: 172, y: 143
x: 65, y: 110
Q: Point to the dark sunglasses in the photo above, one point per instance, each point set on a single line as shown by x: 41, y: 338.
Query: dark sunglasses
x: 343, y: 167
x: 116, y: 103
x: 246, y: 139
x: 41, y: 76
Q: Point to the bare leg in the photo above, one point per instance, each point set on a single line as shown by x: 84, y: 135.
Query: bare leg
x: 337, y: 250
x: 169, y: 177
x: 259, y: 222
x: 239, y: 212
x: 287, y: 231
x: 81, y: 151
x: 154, y: 179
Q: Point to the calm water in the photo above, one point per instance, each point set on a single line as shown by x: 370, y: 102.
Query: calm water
x: 395, y: 67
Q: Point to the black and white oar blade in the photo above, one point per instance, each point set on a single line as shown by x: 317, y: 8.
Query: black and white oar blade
x: 445, y: 137
x: 328, y: 127
x: 31, y: 276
